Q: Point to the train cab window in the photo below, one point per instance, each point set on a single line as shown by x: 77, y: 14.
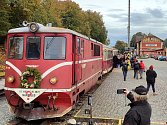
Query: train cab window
x: 82, y: 48
x: 55, y: 48
x: 92, y: 49
x: 78, y: 46
x: 96, y: 50
x: 15, y: 48
x: 33, y: 48
x: 110, y: 54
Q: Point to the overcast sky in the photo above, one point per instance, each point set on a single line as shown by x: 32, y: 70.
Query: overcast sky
x: 147, y: 16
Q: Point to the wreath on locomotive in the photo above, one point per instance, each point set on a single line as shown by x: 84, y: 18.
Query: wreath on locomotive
x: 34, y: 75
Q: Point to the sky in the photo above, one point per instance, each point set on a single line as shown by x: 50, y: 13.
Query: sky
x: 146, y: 16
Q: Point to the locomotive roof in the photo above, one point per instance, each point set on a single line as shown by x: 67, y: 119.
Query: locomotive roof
x: 107, y: 47
x: 46, y: 29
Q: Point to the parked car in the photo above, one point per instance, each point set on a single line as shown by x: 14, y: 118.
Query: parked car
x: 162, y: 58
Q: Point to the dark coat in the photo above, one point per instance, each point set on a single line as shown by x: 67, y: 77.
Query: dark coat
x: 124, y: 67
x: 136, y: 66
x: 150, y: 76
x: 138, y: 114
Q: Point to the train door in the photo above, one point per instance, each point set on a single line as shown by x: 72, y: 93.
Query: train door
x: 77, y: 59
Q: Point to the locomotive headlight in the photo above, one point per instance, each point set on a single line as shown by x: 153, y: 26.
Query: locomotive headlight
x: 33, y: 27
x: 53, y: 80
x: 10, y: 79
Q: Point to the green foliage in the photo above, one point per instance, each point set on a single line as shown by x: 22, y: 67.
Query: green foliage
x: 120, y: 45
x: 135, y: 38
x: 4, y: 17
x: 66, y: 14
x: 98, y: 30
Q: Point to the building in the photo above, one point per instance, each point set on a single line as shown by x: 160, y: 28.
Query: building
x: 150, y: 45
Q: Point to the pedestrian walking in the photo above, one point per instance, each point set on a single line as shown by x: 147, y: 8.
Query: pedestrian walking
x: 119, y: 61
x: 136, y: 69
x: 140, y: 111
x: 115, y: 61
x: 129, y: 64
x: 150, y: 78
x: 125, y: 69
x: 142, y: 69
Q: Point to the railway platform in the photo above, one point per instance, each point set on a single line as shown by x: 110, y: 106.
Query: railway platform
x: 108, y: 105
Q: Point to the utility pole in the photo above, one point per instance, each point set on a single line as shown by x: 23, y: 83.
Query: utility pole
x: 129, y: 25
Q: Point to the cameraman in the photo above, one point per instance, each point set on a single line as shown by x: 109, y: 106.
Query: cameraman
x: 140, y: 111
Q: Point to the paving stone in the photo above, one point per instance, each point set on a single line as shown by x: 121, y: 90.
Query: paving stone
x: 107, y: 103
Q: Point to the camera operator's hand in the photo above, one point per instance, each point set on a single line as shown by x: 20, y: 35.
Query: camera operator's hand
x: 126, y: 91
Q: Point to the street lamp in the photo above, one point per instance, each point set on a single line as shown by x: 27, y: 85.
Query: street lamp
x: 129, y: 24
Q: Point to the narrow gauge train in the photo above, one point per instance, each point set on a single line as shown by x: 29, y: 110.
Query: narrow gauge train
x: 49, y: 68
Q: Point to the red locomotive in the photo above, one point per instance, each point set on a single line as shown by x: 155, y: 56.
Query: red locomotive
x: 49, y: 68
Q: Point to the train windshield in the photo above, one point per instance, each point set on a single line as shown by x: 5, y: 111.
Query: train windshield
x: 33, y: 48
x: 15, y: 48
x: 55, y: 48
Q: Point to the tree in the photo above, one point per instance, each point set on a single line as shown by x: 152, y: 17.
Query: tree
x: 136, y: 38
x: 27, y: 10
x: 4, y: 17
x: 98, y: 30
x: 71, y: 16
x: 120, y: 45
x: 107, y: 42
x: 65, y: 14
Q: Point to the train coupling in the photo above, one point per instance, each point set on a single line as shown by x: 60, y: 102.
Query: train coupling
x: 28, y: 105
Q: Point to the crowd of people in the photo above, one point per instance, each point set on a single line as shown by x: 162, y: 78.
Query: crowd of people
x: 140, y: 110
x: 131, y: 63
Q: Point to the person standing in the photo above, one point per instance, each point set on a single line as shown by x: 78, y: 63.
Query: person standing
x: 115, y: 61
x: 140, y: 111
x: 124, y: 70
x: 136, y: 69
x: 150, y: 78
x: 129, y: 64
x: 142, y: 69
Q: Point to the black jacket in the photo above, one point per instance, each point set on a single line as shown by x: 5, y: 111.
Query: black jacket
x: 136, y: 66
x: 139, y: 113
x: 150, y: 76
x: 124, y: 67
